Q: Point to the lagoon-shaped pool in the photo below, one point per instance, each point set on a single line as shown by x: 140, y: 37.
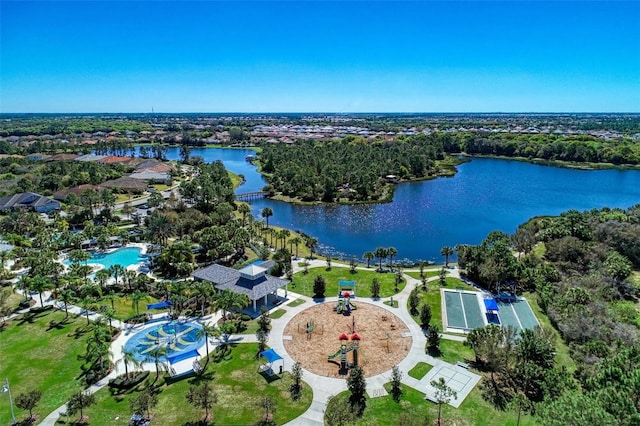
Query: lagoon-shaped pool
x: 178, y: 339
x: 125, y: 256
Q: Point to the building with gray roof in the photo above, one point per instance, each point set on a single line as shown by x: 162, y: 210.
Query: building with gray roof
x: 251, y: 280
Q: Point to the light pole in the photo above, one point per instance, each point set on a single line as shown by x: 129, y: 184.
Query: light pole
x: 6, y: 388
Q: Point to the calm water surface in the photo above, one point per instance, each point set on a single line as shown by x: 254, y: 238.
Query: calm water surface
x: 485, y: 195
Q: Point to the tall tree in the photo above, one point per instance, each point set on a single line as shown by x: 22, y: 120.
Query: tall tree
x: 266, y: 213
x: 446, y: 251
x: 443, y: 395
x: 202, y: 396
x: 391, y: 251
x: 380, y: 253
x: 357, y: 387
x: 28, y: 401
x: 79, y: 401
x: 369, y: 256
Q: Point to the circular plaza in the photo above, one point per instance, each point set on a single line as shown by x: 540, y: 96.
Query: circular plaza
x: 327, y: 337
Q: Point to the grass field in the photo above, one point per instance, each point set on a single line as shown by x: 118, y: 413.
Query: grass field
x: 304, y: 282
x: 432, y: 298
x: 420, y: 370
x: 473, y: 411
x: 427, y: 274
x: 296, y: 302
x: 40, y: 352
x: 236, y: 382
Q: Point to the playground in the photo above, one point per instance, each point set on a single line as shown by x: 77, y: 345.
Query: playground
x: 313, y: 338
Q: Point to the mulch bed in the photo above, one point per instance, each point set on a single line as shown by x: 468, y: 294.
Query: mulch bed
x: 382, y: 345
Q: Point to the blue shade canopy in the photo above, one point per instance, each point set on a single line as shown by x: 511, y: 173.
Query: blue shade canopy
x: 159, y: 305
x: 182, y: 356
x: 270, y: 355
x: 491, y: 304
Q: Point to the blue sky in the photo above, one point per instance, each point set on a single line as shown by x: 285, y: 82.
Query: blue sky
x: 210, y: 56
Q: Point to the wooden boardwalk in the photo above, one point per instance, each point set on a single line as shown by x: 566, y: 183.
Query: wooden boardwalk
x: 248, y: 196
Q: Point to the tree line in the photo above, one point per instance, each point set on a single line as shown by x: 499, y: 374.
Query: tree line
x: 579, y: 266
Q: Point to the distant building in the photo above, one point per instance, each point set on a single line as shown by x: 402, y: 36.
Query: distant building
x: 29, y: 201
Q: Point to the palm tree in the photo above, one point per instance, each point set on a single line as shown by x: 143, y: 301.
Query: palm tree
x: 380, y: 253
x: 391, y: 251
x: 109, y: 314
x: 284, y: 234
x: 203, y: 290
x: 446, y: 251
x: 40, y: 284
x: 129, y: 357
x: 206, y: 331
x: 102, y: 276
x: 266, y: 213
x: 67, y: 296
x: 369, y: 256
x: 136, y: 297
x: 296, y: 241
x: 244, y: 210
x: 130, y: 276
x: 312, y: 245
x: 117, y: 271
x: 155, y: 354
x: 227, y: 300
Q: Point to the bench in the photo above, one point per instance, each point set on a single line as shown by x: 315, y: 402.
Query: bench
x: 463, y: 365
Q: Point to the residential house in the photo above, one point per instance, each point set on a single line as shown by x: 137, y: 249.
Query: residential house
x: 29, y: 201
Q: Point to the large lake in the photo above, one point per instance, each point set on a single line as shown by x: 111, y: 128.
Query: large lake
x: 485, y: 195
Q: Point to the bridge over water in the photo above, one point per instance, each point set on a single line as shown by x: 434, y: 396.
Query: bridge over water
x: 248, y: 196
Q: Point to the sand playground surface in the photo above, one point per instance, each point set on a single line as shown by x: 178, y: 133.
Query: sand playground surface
x: 383, y: 343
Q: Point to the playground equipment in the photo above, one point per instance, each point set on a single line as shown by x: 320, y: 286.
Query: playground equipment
x: 310, y: 327
x: 345, y: 348
x: 346, y: 289
x: 345, y: 306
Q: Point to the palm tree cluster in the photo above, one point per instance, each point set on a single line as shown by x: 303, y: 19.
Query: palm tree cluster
x: 381, y: 253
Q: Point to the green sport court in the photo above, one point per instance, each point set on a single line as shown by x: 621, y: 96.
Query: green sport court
x: 462, y: 311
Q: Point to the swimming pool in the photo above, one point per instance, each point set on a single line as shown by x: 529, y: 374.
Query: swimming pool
x: 178, y: 338
x: 125, y: 256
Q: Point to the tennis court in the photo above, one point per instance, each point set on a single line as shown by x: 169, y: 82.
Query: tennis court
x: 462, y: 309
x: 518, y: 314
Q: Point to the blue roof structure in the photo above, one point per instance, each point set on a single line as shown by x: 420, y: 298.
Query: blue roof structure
x: 270, y: 355
x: 159, y: 305
x: 491, y: 304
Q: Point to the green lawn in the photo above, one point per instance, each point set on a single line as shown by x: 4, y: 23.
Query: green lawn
x: 296, y: 302
x: 124, y: 308
x: 452, y: 351
x: 236, y: 382
x: 40, y: 352
x: 278, y: 313
x: 473, y: 411
x: 427, y: 274
x: 420, y: 370
x: 303, y: 283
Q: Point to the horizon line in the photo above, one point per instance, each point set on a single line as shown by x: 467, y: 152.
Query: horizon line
x: 326, y: 112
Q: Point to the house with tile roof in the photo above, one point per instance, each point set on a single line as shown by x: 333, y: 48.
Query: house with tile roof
x: 252, y: 280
